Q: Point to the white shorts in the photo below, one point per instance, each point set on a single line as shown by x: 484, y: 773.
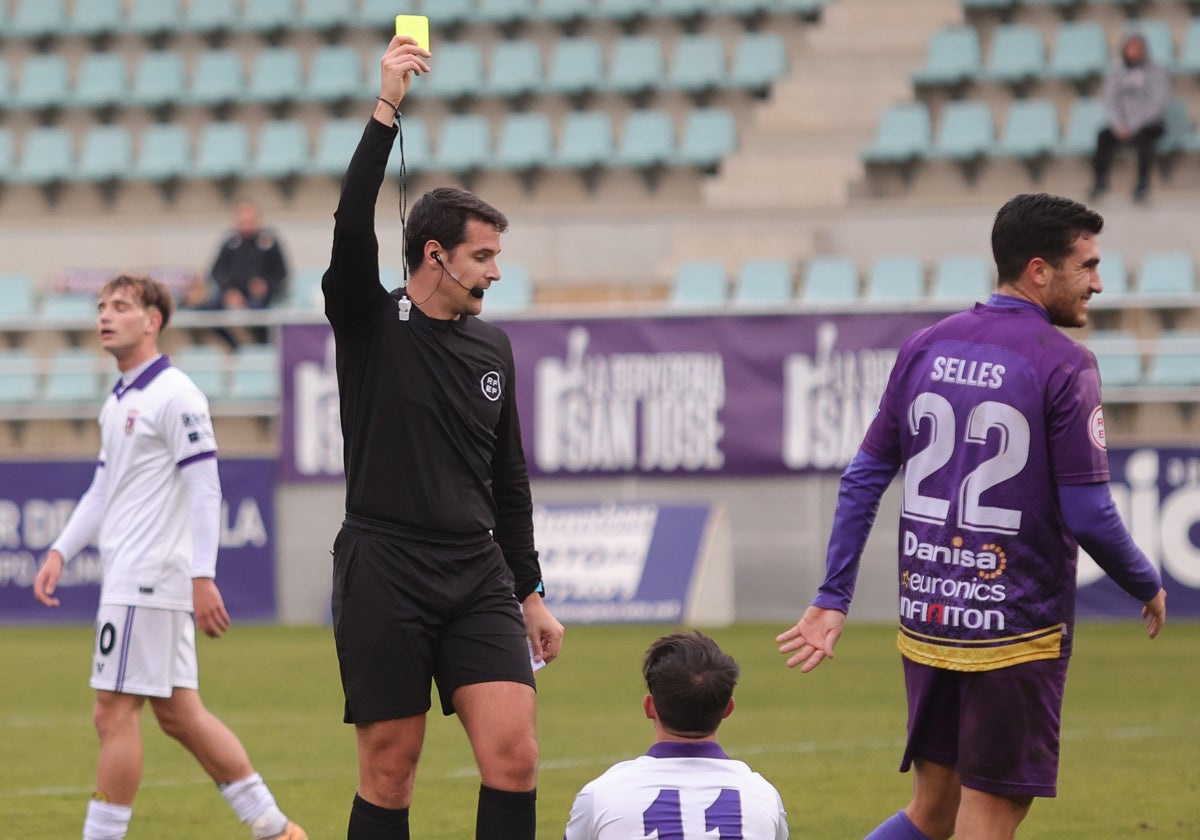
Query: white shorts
x: 144, y: 651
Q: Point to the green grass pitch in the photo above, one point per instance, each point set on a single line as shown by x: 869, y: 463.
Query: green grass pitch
x: 830, y: 740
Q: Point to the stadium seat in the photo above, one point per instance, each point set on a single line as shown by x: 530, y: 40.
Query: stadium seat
x: 681, y: 8
x: 223, y: 150
x: 152, y: 18
x: 102, y: 81
x: 1018, y: 55
x: 637, y: 66
x: 1087, y: 117
x: 254, y: 374
x: 413, y: 144
x: 96, y: 18
x: 966, y: 132
x: 1080, y: 52
x: 37, y: 19
x: 209, y: 17
x: 1178, y: 134
x: 513, y: 292
x: 8, y: 154
x: 1188, y: 62
x: 304, y: 290
x: 380, y: 14
x: 68, y: 307
x: 164, y: 153
x: 960, y: 278
x: 106, y: 154
x: 158, y: 79
x: 1030, y: 131
x: 1117, y: 356
x: 586, y: 141
x: 1160, y: 42
x: 1170, y: 273
x: 526, y: 142
x: 988, y: 5
x: 218, y: 78
x: 47, y: 156
x: 809, y: 10
x: 897, y: 278
x: 1176, y: 360
x: 464, y: 144
x: 830, y: 280
x: 44, y: 83
x: 747, y: 10
x: 264, y: 16
x: 276, y: 76
x: 1113, y: 273
x: 205, y: 365
x: 323, y: 15
x: 17, y: 297
x: 761, y: 59
x: 699, y: 283
x: 647, y: 140
x: 448, y: 13
x: 281, y: 150
x: 503, y: 12
x: 561, y: 12
x: 709, y: 135
x: 576, y: 66
x: 697, y: 65
x: 336, y: 142
x: 335, y: 75
x: 762, y: 282
x: 904, y: 135
x: 18, y: 377
x: 1063, y: 6
x: 457, y: 72
x: 622, y: 11
x: 515, y: 69
x: 953, y: 57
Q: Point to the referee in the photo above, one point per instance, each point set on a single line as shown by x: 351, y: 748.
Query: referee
x: 435, y: 573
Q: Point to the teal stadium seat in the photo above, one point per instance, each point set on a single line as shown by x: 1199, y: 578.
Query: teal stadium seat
x: 206, y: 366
x: 265, y: 16
x: 1117, y: 356
x: 962, y: 278
x: 747, y: 10
x: 38, y: 19
x: 448, y: 13
x: 1080, y: 52
x: 381, y: 14
x: 1188, y: 63
x: 164, y: 153
x: 637, y: 66
x: 622, y: 11
x: 102, y: 81
x: 586, y: 141
x: 953, y: 58
x: 761, y: 60
x: 809, y: 10
x: 830, y: 280
x: 68, y: 307
x: 562, y: 12
x: 336, y: 142
x: 335, y: 75
x: 576, y: 66
x: 415, y: 142
x: 697, y: 65
x: 709, y: 136
x: 647, y: 140
x: 18, y: 298
x: 8, y: 154
x: 44, y: 83
x: 514, y: 69
x: 1178, y: 134
x: 504, y: 12
x: 1159, y: 41
x: 904, y: 135
x: 6, y: 80
x: 254, y: 374
x: 106, y: 154
x: 526, y: 142
x: 988, y: 5
x: 18, y: 378
x: 325, y: 15
x: 1085, y: 120
x: 966, y: 132
x: 1018, y: 55
x: 1166, y: 273
x: 96, y: 18
x: 512, y: 293
x: 154, y: 18
x: 699, y: 283
x: 763, y: 282
x: 218, y: 78
x: 1063, y: 6
x: 1176, y: 360
x: 223, y: 150
x: 1113, y: 273
x: 682, y: 8
x: 464, y: 144
x: 896, y: 278
x: 276, y: 76
x: 281, y: 150
x: 1030, y: 131
x: 457, y: 72
x: 47, y: 156
x: 209, y: 17
x: 158, y: 80
x: 304, y: 291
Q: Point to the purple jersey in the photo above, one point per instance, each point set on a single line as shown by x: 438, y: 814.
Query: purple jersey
x: 988, y: 411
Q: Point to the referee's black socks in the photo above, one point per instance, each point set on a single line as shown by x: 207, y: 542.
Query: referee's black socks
x: 504, y: 815
x: 371, y: 822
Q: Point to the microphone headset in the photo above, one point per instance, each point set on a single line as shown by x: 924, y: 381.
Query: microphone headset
x: 475, y: 291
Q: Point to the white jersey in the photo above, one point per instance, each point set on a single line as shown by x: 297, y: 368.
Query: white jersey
x: 149, y: 430
x: 682, y: 791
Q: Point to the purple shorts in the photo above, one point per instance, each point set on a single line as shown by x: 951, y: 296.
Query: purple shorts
x: 999, y: 729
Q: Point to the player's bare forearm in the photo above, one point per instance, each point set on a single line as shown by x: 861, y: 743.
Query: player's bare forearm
x: 812, y: 640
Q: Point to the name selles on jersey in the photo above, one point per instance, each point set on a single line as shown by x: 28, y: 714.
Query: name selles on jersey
x: 148, y: 432
x: 989, y: 411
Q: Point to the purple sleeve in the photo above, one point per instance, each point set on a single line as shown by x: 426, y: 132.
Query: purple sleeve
x: 863, y: 485
x: 1092, y: 518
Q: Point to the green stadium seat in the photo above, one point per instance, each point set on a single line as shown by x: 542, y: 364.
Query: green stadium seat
x: 526, y: 142
x: 513, y: 292
x: 763, y: 282
x: 515, y: 69
x: 321, y: 15
x: 464, y: 144
x: 276, y: 76
x: 254, y: 374
x: 209, y: 17
x: 218, y: 78
x: 1086, y: 119
x: 562, y: 12
x: 1168, y: 273
x: 896, y: 278
x: 223, y: 150
x: 966, y: 132
x: 164, y: 153
x: 1080, y: 52
x: 1188, y: 62
x: 586, y: 141
x: 18, y: 376
x: 904, y: 135
x: 1117, y: 356
x: 457, y: 72
x: 448, y: 13
x: 637, y: 66
x: 697, y: 65
x: 1113, y: 273
x: 953, y: 57
x: 96, y: 18
x: 281, y: 150
x: 263, y: 16
x: 709, y: 135
x: 206, y: 366
x: 336, y: 74
x: 504, y: 12
x: 830, y: 280
x: 44, y: 83
x: 37, y: 19
x: 102, y: 81
x: 336, y: 141
x: 1018, y: 55
x: 761, y: 59
x: 576, y: 66
x: 151, y: 18
x: 960, y: 278
x: 47, y: 156
x: 699, y: 283
x: 1030, y: 131
x: 106, y: 154
x: 158, y: 80
x: 647, y: 140
x: 18, y: 297
x: 1176, y: 360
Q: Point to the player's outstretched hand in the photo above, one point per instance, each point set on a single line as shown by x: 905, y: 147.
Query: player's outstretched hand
x: 813, y: 638
x: 209, y: 608
x: 47, y: 577
x: 544, y: 630
x: 1155, y: 613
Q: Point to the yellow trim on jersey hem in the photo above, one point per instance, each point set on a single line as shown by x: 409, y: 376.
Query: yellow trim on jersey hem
x: 1044, y: 644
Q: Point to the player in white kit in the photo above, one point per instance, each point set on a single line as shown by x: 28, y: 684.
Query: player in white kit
x: 153, y: 509
x: 685, y: 786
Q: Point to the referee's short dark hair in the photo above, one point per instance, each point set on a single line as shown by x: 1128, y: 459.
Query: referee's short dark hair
x: 441, y: 214
x: 691, y: 680
x: 149, y: 291
x: 1038, y: 225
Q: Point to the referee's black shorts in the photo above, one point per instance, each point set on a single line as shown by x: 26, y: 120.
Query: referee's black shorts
x: 409, y: 608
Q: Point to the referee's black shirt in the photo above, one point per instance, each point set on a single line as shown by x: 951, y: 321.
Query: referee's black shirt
x: 431, y: 442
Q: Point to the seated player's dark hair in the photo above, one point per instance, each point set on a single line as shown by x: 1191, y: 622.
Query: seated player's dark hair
x: 1038, y: 225
x: 691, y: 680
x: 149, y: 291
x: 441, y: 214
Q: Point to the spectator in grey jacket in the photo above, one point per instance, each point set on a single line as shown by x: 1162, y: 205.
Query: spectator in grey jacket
x: 1136, y: 94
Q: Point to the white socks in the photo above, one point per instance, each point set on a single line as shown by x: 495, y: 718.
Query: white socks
x: 254, y: 805
x: 106, y: 821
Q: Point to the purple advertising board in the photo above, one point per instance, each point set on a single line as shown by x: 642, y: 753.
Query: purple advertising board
x: 37, y: 498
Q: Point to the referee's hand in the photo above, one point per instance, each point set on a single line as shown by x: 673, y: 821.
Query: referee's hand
x: 209, y: 608
x: 544, y: 630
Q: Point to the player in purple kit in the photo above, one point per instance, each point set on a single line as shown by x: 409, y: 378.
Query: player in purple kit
x: 995, y: 417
